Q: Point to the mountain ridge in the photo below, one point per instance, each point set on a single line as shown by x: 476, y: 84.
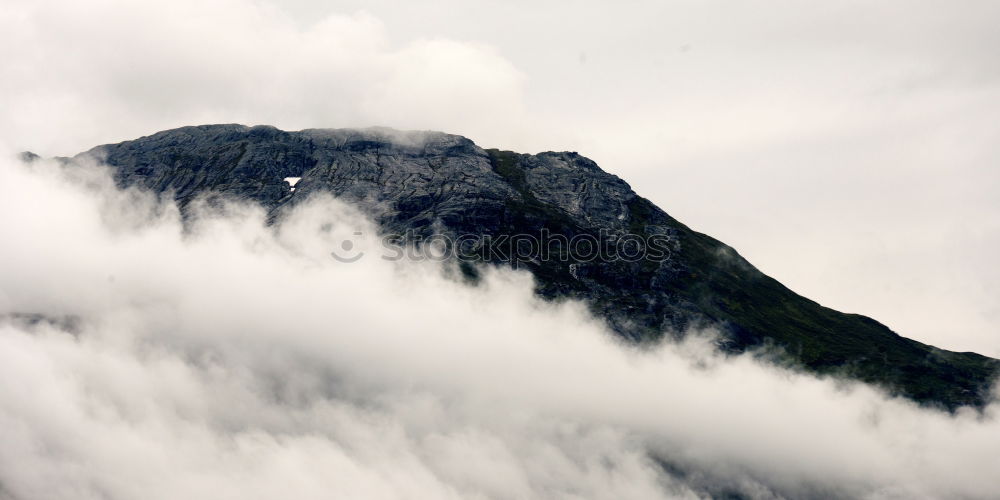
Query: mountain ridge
x: 427, y: 181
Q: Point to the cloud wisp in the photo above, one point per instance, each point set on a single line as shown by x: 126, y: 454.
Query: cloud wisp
x: 229, y: 359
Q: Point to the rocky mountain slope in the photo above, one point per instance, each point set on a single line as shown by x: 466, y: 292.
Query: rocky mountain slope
x: 438, y: 183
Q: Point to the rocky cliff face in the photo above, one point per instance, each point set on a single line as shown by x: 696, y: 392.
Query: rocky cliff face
x: 425, y: 182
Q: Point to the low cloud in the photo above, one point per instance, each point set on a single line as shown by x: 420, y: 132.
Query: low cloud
x: 231, y: 359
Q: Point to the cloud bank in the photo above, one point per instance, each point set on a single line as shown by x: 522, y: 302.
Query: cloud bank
x: 139, y: 358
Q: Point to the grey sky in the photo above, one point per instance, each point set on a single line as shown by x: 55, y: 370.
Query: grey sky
x: 848, y: 149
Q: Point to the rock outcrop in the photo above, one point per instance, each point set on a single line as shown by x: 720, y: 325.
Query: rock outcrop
x: 428, y: 182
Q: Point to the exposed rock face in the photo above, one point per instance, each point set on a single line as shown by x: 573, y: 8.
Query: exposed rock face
x: 433, y: 182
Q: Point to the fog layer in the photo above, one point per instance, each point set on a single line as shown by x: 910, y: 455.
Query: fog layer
x: 140, y: 359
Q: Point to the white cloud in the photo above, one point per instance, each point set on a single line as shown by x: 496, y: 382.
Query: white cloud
x: 112, y: 70
x: 235, y: 361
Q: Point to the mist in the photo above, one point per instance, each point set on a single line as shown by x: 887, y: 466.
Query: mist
x: 225, y: 358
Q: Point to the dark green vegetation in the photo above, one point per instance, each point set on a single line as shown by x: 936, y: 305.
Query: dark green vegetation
x: 714, y: 284
x: 758, y: 310
x: 431, y: 182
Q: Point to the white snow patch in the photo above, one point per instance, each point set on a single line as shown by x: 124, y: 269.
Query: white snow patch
x: 292, y: 181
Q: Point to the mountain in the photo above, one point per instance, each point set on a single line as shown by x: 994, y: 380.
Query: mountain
x: 424, y: 183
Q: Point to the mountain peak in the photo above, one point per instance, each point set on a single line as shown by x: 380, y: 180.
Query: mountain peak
x: 422, y: 182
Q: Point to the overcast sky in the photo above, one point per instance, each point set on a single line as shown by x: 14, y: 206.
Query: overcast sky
x: 848, y: 149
